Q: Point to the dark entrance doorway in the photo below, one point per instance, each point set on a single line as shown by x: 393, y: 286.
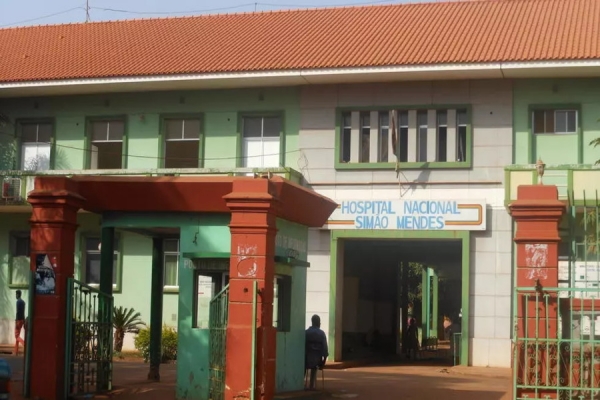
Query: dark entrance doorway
x: 388, y: 282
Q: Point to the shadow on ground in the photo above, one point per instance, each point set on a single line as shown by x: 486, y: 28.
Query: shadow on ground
x: 381, y: 382
x: 412, y: 382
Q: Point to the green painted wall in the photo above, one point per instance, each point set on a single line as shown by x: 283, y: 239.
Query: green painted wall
x: 213, y: 235
x: 290, y: 345
x: 221, y: 110
x: 556, y: 149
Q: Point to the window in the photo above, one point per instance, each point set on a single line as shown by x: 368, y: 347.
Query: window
x: 384, y: 136
x: 106, y: 144
x: 422, y: 136
x: 171, y: 262
x: 261, y: 142
x: 19, y: 258
x: 346, y: 136
x: 207, y: 284
x: 182, y: 142
x: 555, y: 121
x: 35, y: 141
x: 365, y: 137
x: 282, y: 303
x: 418, y: 140
x: 92, y: 261
x: 442, y: 136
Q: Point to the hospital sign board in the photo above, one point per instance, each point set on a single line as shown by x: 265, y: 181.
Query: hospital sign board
x: 426, y: 215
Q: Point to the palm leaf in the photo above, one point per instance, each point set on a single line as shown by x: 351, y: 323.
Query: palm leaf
x: 127, y: 319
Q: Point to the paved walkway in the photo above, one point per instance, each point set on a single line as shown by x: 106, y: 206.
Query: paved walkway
x: 374, y: 382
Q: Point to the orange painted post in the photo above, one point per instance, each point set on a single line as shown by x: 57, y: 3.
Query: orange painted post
x: 537, y: 213
x: 253, y: 229
x: 55, y: 204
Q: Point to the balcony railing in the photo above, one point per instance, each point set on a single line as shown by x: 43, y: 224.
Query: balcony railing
x: 17, y: 184
x: 578, y: 184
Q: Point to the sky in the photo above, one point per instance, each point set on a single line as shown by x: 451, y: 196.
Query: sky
x: 43, y: 12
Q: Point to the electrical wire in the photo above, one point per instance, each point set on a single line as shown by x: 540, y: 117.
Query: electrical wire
x: 42, y: 17
x: 172, y: 12
x: 240, y: 6
x: 120, y: 154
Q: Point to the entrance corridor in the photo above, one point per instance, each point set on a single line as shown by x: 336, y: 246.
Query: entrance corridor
x: 375, y: 382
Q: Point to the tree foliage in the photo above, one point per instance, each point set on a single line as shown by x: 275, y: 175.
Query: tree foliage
x: 125, y: 320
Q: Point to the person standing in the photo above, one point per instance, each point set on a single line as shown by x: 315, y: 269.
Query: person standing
x: 316, y: 350
x: 19, y: 322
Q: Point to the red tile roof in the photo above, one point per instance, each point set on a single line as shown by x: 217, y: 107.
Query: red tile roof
x: 405, y: 34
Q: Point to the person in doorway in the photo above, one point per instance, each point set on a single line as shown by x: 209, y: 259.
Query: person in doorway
x: 19, y: 322
x: 316, y: 350
x: 412, y: 339
x: 447, y: 325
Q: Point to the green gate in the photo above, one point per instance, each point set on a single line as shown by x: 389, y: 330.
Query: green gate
x: 217, y: 341
x: 88, y: 351
x: 556, y: 346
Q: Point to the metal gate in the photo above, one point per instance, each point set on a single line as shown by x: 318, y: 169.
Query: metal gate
x: 217, y: 343
x: 556, y: 345
x: 89, y: 338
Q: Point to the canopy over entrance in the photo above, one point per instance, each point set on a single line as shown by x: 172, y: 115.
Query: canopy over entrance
x: 254, y: 203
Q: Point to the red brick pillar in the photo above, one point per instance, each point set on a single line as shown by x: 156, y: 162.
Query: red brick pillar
x: 53, y: 224
x: 253, y: 230
x: 537, y: 213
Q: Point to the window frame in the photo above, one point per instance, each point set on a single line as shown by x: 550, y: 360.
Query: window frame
x: 467, y: 164
x: 89, y: 121
x: 171, y: 288
x: 83, y: 259
x: 13, y: 236
x: 162, y: 135
x: 531, y: 137
x: 239, y: 163
x: 18, y: 133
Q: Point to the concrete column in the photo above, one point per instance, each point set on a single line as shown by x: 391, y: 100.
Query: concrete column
x: 55, y: 203
x: 451, y: 136
x: 374, y: 139
x: 253, y: 230
x: 412, y: 135
x: 537, y: 213
x: 393, y: 118
x: 355, y: 137
x: 156, y: 309
x: 431, y: 135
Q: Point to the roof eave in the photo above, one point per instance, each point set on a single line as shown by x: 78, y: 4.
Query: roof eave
x: 499, y: 70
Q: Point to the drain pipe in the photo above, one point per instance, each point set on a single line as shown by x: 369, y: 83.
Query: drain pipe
x: 253, y: 359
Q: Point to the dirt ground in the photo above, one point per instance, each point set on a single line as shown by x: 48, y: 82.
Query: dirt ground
x: 372, y: 382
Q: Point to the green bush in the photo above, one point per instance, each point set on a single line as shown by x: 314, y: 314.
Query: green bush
x: 168, y: 347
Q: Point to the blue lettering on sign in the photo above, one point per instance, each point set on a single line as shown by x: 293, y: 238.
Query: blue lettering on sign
x: 415, y: 215
x: 367, y: 207
x: 422, y: 222
x: 371, y: 222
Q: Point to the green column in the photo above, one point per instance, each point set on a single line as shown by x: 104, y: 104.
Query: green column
x: 107, y: 248
x: 404, y: 300
x: 156, y: 309
x: 434, y: 303
x: 425, y: 305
